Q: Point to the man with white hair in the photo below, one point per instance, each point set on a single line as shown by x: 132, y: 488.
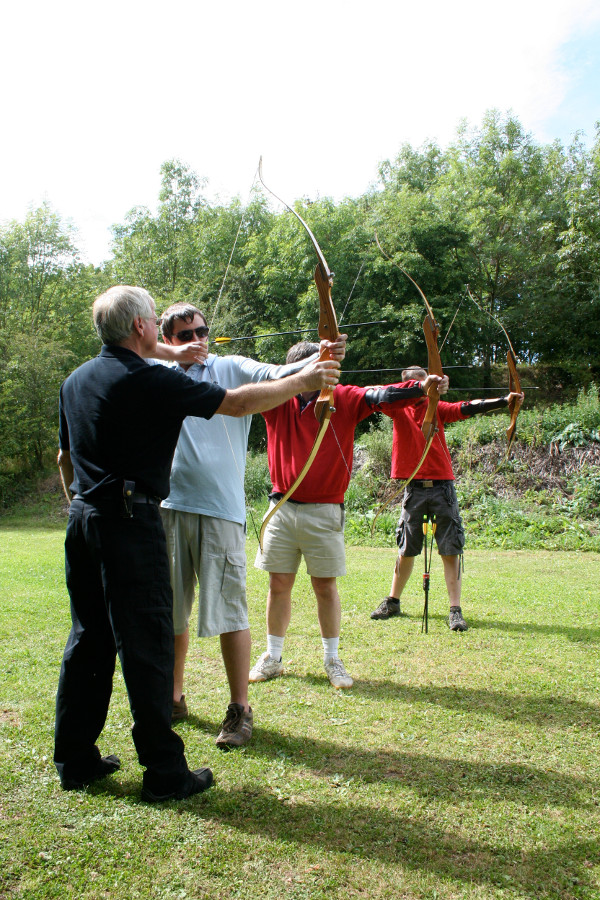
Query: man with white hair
x: 119, y: 423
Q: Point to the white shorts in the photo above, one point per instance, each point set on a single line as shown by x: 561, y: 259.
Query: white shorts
x: 312, y: 530
x: 212, y: 553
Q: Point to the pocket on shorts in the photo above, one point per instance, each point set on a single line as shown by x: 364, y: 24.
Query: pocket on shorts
x: 234, y: 574
x: 338, y: 517
x: 400, y: 529
x: 450, y: 497
x: 454, y: 538
x: 458, y: 532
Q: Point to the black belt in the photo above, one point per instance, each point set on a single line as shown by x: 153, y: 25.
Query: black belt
x: 103, y: 498
x: 431, y: 482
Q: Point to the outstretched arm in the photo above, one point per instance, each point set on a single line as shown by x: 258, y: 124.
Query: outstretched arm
x: 192, y: 352
x: 475, y: 407
x: 337, y: 351
x: 392, y: 394
x: 255, y: 398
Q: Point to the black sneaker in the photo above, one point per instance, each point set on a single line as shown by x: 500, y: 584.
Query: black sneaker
x: 105, y: 766
x: 386, y: 609
x: 236, y: 729
x: 455, y: 619
x: 200, y: 780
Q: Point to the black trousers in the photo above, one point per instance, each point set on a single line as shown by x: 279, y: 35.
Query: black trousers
x: 121, y: 602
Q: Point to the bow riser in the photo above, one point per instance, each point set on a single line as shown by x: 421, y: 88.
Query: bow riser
x: 431, y: 329
x: 328, y: 331
x: 514, y: 386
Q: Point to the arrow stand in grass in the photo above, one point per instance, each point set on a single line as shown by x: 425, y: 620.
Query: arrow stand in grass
x: 427, y: 570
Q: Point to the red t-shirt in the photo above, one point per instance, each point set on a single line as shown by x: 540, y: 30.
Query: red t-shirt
x: 409, y: 441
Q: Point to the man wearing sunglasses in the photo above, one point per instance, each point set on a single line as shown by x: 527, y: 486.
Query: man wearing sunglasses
x: 205, y: 514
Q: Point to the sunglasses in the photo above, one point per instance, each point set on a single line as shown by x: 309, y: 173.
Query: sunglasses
x: 187, y: 334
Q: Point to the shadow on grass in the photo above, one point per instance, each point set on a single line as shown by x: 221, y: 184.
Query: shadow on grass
x: 578, y: 635
x: 540, y: 710
x: 411, y: 841
x: 589, y: 635
x: 443, y: 778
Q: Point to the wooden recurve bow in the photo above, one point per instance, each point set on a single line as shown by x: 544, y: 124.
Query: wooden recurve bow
x: 429, y: 427
x: 328, y: 330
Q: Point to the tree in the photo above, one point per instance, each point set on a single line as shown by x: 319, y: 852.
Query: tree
x: 34, y: 257
x: 499, y: 182
x: 159, y: 252
x: 579, y: 257
x: 40, y: 310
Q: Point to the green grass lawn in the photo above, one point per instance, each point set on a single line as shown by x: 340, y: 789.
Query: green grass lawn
x: 459, y: 766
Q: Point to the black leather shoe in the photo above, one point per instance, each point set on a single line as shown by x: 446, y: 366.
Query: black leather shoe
x: 105, y: 766
x: 201, y: 780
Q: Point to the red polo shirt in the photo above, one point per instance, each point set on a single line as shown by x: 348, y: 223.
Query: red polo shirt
x: 291, y: 433
x: 409, y: 441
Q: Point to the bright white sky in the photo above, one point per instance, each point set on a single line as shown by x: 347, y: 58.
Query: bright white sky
x: 96, y: 96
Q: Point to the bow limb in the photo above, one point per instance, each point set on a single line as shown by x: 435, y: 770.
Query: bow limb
x: 405, y: 483
x: 434, y: 361
x: 328, y: 330
x: 514, y: 382
x: 324, y: 403
x: 325, y: 268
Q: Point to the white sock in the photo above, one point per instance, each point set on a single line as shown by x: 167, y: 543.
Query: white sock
x: 275, y: 646
x: 330, y: 648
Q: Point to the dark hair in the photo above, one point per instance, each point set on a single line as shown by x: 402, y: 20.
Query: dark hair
x: 184, y: 312
x: 302, y: 350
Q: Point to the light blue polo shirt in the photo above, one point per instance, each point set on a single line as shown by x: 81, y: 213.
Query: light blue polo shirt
x: 207, y: 475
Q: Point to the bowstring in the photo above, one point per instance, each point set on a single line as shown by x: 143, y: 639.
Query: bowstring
x: 452, y: 323
x: 228, y: 266
x: 210, y: 374
x: 351, y: 292
x: 349, y: 471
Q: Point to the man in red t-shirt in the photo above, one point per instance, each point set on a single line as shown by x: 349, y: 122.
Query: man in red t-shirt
x: 431, y: 493
x: 311, y: 523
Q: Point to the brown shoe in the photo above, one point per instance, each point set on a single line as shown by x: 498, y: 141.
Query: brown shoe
x: 180, y: 710
x: 456, y: 621
x: 386, y: 609
x: 236, y: 729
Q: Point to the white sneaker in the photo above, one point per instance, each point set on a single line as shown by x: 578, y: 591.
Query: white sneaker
x: 336, y: 672
x: 265, y: 668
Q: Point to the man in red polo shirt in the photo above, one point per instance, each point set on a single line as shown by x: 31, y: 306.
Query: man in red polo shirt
x: 430, y: 493
x: 311, y: 523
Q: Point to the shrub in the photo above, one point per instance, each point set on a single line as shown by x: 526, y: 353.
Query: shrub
x: 257, y: 483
